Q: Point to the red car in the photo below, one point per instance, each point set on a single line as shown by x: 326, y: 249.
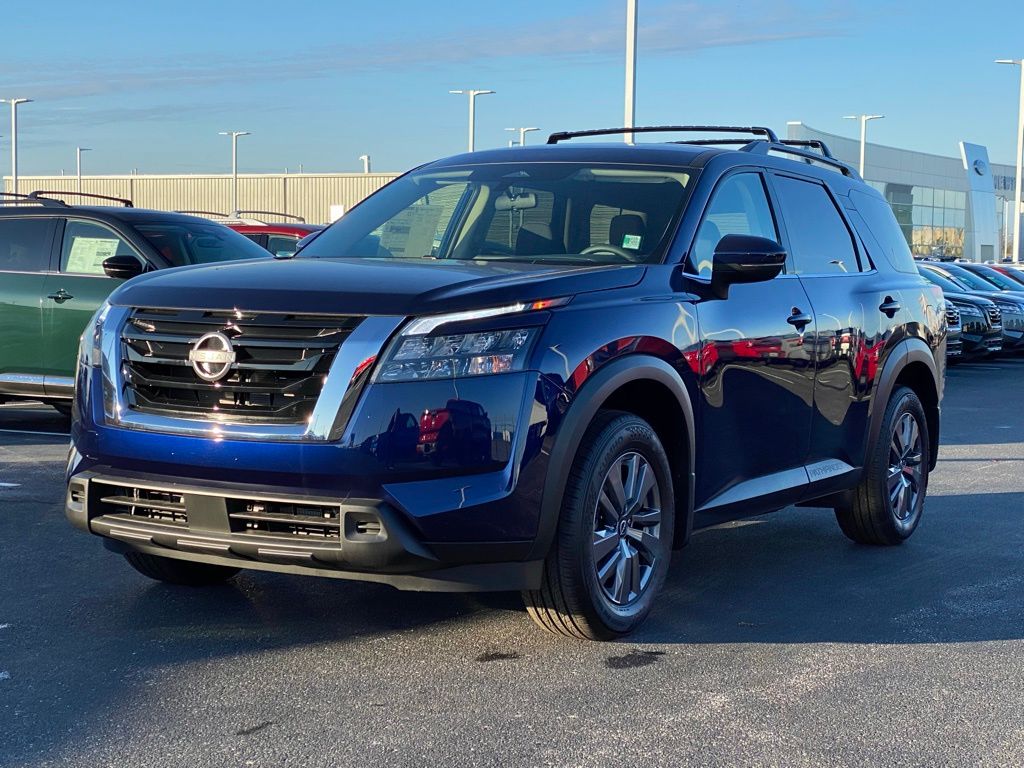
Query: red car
x: 278, y: 237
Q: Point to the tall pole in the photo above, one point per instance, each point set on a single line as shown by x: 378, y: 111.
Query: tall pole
x: 366, y: 163
x: 14, y: 139
x: 234, y: 164
x: 1015, y: 256
x: 78, y: 164
x: 863, y: 134
x: 472, y: 113
x: 630, y: 99
x: 522, y: 135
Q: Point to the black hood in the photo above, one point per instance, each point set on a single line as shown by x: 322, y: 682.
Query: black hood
x: 366, y: 286
x: 968, y: 298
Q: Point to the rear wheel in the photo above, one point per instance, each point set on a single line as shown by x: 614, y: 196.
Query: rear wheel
x: 888, y: 502
x: 182, y: 572
x: 614, y: 539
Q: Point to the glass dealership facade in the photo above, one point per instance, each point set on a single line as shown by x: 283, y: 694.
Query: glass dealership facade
x: 931, y: 197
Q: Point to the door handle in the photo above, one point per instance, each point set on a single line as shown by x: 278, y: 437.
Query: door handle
x: 60, y: 296
x: 889, y: 307
x: 799, y: 319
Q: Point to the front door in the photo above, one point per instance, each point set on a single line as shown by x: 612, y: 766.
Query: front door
x: 75, y: 292
x: 25, y: 247
x: 757, y: 378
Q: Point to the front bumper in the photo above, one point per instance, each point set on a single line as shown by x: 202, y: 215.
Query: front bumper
x: 289, y: 531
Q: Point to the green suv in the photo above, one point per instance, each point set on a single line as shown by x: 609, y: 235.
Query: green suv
x: 58, y: 263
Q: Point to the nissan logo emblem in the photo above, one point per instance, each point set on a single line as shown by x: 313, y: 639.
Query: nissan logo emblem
x: 212, y: 356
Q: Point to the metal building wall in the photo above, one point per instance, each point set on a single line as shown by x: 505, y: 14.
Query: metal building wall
x: 308, y: 195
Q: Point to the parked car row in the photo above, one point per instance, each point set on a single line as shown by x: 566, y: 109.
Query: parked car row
x: 984, y: 307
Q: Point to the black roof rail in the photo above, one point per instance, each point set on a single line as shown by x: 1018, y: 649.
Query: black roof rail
x: 43, y: 194
x: 299, y: 219
x: 12, y: 198
x: 755, y: 130
x: 206, y: 213
x: 818, y: 144
x: 764, y: 147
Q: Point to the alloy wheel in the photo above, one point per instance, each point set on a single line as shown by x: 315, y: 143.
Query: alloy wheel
x: 627, y: 527
x: 906, y: 471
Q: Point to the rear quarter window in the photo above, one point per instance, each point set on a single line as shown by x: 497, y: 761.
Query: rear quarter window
x: 877, y: 227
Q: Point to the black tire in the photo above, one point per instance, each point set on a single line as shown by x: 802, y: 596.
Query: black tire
x: 875, y: 516
x: 183, y: 572
x: 572, y: 600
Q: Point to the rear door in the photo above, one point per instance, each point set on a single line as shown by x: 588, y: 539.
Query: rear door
x: 76, y: 290
x: 857, y: 309
x: 25, y: 255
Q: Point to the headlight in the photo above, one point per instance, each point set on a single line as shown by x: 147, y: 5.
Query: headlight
x: 970, y: 310
x: 419, y: 352
x: 89, y: 350
x: 1011, y: 306
x: 452, y: 355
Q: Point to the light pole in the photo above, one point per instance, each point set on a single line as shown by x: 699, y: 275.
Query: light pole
x: 472, y: 113
x: 234, y: 164
x: 630, y: 99
x: 366, y: 163
x: 78, y: 163
x: 863, y: 134
x: 14, y: 139
x: 522, y: 134
x: 1020, y: 159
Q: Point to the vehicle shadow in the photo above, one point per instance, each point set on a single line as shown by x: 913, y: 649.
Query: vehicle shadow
x: 793, y: 577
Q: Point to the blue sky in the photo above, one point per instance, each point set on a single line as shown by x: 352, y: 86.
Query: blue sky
x: 148, y: 84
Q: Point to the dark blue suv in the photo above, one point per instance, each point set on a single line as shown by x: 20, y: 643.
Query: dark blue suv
x: 537, y: 369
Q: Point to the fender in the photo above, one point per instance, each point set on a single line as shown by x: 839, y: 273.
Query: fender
x: 584, y: 406
x: 909, y: 350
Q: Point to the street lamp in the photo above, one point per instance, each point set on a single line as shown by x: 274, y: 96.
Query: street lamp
x: 630, y: 97
x: 234, y: 164
x: 78, y: 163
x: 14, y: 139
x: 863, y: 133
x: 522, y: 134
x: 472, y: 113
x: 366, y: 163
x: 1020, y: 159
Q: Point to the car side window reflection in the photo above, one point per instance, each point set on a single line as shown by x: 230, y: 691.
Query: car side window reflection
x: 738, y: 207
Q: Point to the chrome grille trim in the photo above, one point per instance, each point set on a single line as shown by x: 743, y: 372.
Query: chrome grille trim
x: 995, y: 316
x: 328, y: 419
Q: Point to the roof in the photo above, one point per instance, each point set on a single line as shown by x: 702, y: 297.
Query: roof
x: 607, y: 152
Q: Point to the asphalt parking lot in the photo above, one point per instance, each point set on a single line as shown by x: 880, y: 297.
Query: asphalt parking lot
x: 777, y: 642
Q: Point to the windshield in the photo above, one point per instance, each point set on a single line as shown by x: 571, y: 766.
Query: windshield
x: 569, y: 213
x: 945, y: 283
x: 969, y: 278
x: 997, y: 279
x: 184, y: 243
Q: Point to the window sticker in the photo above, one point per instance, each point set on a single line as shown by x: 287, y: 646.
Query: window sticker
x: 88, y: 253
x: 631, y: 241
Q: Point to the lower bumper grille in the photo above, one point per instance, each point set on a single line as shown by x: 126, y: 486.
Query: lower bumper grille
x: 159, y: 506
x: 318, y: 521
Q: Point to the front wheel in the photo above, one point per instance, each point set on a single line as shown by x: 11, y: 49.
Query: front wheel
x: 888, y: 502
x: 614, y: 539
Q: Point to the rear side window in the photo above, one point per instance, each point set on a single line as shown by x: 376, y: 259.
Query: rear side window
x: 282, y: 245
x: 183, y: 243
x: 819, y: 240
x: 883, y: 230
x: 25, y: 244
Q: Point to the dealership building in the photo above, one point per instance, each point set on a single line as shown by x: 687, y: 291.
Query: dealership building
x: 953, y: 206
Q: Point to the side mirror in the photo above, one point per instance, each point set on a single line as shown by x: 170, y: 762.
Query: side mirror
x: 745, y: 259
x: 122, y: 267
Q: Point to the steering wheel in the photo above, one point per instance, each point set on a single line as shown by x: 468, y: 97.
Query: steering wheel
x: 614, y: 250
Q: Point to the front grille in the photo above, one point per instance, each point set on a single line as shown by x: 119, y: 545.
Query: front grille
x: 281, y: 361
x: 995, y: 317
x: 320, y: 521
x: 161, y: 506
x: 952, y: 316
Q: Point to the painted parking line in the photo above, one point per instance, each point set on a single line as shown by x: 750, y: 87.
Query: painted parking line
x: 34, y: 432
x: 9, y: 485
